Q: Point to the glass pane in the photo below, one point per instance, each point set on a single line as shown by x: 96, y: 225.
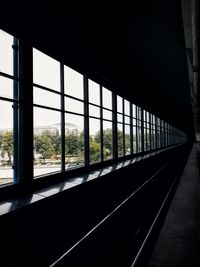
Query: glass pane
x: 127, y: 140
x: 148, y: 139
x: 139, y: 139
x: 7, y: 86
x: 74, y: 141
x: 73, y: 105
x: 94, y: 111
x: 119, y: 117
x: 134, y: 111
x: 94, y: 92
x: 107, y: 140
x: 134, y: 121
x: 119, y: 104
x: 120, y: 140
x: 127, y: 107
x: 46, y: 70
x: 46, y: 98
x: 138, y: 123
x: 107, y: 98
x: 73, y: 83
x: 139, y: 113
x: 127, y: 119
x: 6, y: 142
x: 147, y: 116
x: 6, y: 52
x: 47, y: 141
x: 95, y: 140
x: 134, y: 140
x: 144, y: 130
x: 107, y: 114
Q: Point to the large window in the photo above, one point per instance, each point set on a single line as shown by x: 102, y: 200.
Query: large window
x: 107, y: 124
x: 146, y: 127
x: 47, y: 114
x: 120, y: 126
x: 9, y: 107
x: 95, y: 126
x: 139, y: 129
x: 134, y: 128
x: 74, y: 118
x: 127, y: 127
x: 76, y: 121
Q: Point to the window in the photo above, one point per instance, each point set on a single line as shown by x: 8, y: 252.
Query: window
x: 107, y: 124
x: 74, y: 124
x: 73, y: 83
x: 47, y: 141
x: 139, y: 130
x: 47, y: 114
x: 95, y: 128
x: 134, y: 125
x: 74, y: 140
x: 46, y: 71
x: 9, y: 108
x: 74, y: 119
x: 127, y: 121
x: 120, y: 127
x: 146, y: 130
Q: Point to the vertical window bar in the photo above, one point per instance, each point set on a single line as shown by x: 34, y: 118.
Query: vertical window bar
x: 26, y: 112
x: 131, y: 128
x: 86, y: 121
x: 123, y: 126
x: 142, y: 130
x: 15, y: 112
x: 114, y: 126
x: 150, y: 141
x: 101, y: 123
x: 156, y: 139
x: 62, y: 82
x: 137, y: 147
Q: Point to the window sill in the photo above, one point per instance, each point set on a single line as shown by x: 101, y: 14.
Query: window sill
x: 17, y: 203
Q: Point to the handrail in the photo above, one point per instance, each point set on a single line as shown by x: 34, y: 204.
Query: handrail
x: 113, y: 212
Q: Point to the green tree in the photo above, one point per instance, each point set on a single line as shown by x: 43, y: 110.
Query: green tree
x: 71, y: 143
x: 95, y: 151
x: 120, y: 143
x: 56, y: 143
x: 7, y: 145
x: 107, y: 143
x: 43, y: 145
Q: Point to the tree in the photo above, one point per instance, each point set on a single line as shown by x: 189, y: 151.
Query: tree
x: 107, y: 143
x: 7, y: 145
x: 56, y: 143
x: 120, y: 143
x: 71, y: 143
x: 43, y: 145
x: 95, y: 151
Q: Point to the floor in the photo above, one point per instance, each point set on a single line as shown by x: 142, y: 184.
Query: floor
x: 178, y: 244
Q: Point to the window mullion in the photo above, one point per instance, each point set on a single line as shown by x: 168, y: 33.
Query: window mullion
x: 62, y: 117
x: 86, y: 122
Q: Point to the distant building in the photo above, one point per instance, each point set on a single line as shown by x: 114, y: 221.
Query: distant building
x: 54, y: 129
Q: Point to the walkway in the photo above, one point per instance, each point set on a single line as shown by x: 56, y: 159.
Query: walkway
x: 178, y: 244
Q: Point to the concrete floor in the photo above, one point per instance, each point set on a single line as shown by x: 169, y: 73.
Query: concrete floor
x: 178, y: 244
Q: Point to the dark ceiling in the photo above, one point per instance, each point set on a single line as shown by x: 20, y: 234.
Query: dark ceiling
x: 140, y: 53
